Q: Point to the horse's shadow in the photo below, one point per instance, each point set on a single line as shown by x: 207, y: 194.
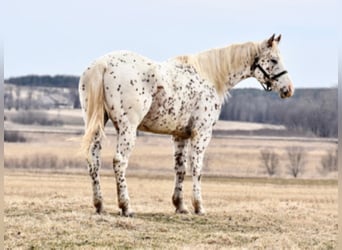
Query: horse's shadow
x: 162, y: 217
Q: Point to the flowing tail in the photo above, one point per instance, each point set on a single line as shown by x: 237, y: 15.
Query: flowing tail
x: 92, y: 98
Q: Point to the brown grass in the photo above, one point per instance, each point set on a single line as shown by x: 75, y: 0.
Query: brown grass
x: 51, y: 208
x: 54, y: 211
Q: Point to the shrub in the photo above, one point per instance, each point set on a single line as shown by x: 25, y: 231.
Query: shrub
x: 329, y: 162
x: 43, y: 161
x: 296, y: 156
x: 35, y: 117
x: 270, y: 161
x: 13, y: 136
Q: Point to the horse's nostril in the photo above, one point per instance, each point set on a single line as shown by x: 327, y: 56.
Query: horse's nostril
x: 285, y: 92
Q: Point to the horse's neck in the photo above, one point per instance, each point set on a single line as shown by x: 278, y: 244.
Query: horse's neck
x: 225, y: 67
x: 237, y: 76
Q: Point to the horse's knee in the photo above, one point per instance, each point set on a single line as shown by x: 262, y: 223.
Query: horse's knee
x: 119, y: 164
x: 116, y: 162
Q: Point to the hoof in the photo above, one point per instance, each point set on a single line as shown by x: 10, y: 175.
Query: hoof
x: 125, y: 208
x: 182, y: 211
x: 201, y: 213
x: 199, y: 210
x: 126, y: 213
x: 98, y: 206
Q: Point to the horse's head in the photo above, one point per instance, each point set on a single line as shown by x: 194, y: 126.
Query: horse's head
x: 269, y: 69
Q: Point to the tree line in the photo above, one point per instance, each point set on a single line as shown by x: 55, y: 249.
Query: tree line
x: 311, y: 111
x: 58, y: 81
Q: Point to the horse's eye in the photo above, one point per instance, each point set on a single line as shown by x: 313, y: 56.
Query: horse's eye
x: 274, y: 61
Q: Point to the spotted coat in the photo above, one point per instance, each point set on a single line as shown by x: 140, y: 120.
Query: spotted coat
x: 171, y: 97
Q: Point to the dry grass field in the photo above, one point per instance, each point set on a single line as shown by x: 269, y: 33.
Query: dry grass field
x: 54, y: 211
x: 153, y: 155
x: 48, y: 202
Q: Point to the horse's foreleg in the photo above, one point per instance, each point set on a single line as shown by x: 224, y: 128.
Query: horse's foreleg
x: 198, y: 146
x: 94, y: 167
x: 125, y: 144
x: 180, y: 156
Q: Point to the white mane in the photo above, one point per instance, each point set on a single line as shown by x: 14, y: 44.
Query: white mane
x: 216, y: 64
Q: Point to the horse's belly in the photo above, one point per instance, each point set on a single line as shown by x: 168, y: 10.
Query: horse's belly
x: 156, y: 127
x: 165, y: 121
x: 161, y: 126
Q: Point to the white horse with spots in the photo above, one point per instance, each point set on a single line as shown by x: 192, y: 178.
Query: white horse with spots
x: 181, y: 97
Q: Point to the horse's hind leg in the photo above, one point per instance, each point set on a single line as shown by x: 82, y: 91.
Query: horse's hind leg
x: 125, y: 143
x: 94, y: 167
x: 180, y: 156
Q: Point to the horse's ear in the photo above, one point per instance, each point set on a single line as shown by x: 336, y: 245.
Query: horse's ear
x: 277, y: 39
x: 270, y: 41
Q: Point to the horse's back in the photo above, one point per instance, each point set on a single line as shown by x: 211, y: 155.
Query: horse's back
x: 156, y: 97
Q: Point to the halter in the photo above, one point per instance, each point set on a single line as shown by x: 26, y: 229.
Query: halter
x: 267, y: 76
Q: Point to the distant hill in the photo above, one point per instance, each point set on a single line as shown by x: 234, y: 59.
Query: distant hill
x: 58, y: 81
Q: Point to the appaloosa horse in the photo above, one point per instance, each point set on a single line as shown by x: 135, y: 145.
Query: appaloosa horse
x: 181, y: 97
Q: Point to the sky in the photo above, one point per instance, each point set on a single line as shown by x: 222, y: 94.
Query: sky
x: 64, y: 36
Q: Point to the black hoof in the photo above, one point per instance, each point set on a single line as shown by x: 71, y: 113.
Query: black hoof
x: 98, y: 207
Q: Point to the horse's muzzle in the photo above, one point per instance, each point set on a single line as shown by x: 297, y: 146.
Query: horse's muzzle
x: 286, y: 92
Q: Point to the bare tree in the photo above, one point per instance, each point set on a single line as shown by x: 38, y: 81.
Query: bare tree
x: 296, y: 157
x: 270, y: 161
x: 329, y: 161
x: 29, y: 100
x: 18, y: 96
x: 73, y: 97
